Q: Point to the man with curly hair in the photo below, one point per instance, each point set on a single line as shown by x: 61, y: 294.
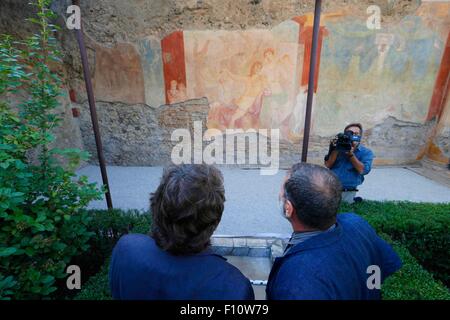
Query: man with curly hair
x: 176, y: 261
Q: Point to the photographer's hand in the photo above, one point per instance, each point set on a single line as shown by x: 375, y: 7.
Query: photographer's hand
x: 350, y: 153
x: 358, y: 165
x: 332, y: 154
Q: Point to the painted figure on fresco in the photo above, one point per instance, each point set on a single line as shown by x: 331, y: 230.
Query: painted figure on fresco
x: 252, y: 79
x: 244, y: 111
x: 265, y: 100
x: 250, y: 102
x: 202, y: 72
x: 176, y: 92
x: 276, y: 107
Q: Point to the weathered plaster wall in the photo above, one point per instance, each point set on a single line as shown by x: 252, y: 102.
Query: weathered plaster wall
x: 139, y: 134
x: 438, y: 146
x: 13, y: 15
x: 442, y: 139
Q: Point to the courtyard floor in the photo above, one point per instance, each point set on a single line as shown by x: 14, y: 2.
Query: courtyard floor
x: 251, y: 206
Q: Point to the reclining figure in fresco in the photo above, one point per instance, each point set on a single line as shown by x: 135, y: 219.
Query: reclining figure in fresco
x: 244, y: 111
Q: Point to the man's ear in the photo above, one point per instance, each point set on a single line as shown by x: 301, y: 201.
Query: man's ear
x: 288, y: 209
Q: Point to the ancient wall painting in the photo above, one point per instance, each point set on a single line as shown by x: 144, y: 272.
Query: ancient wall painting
x: 252, y: 79
x: 259, y: 78
x: 248, y: 76
x: 370, y: 75
x: 152, y: 67
x: 118, y: 74
x: 173, y: 55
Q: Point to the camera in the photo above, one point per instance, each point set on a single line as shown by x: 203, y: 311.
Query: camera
x: 344, y: 140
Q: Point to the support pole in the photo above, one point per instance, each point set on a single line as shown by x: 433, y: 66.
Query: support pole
x: 312, y: 73
x: 94, y: 119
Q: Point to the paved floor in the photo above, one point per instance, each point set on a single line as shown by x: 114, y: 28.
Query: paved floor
x: 251, y: 206
x: 254, y: 269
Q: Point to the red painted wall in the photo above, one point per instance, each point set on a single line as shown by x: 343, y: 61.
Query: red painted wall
x: 305, y: 38
x: 441, y: 86
x: 174, y: 67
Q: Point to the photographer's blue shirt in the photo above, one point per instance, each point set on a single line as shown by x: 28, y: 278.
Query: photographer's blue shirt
x: 333, y: 265
x: 346, y: 172
x: 140, y: 270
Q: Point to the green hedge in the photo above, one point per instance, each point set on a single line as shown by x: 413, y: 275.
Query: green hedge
x: 97, y: 287
x: 411, y: 282
x: 423, y: 228
x: 391, y: 219
x: 108, y: 227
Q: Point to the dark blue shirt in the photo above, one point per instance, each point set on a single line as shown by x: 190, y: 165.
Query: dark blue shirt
x: 140, y: 270
x: 350, y: 178
x: 333, y: 265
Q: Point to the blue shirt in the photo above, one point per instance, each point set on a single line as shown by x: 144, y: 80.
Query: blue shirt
x: 333, y: 265
x: 350, y: 178
x: 140, y: 270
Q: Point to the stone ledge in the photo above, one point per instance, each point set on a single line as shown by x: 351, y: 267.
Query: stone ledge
x: 270, y: 247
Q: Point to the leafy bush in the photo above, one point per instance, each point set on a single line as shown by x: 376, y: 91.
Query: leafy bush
x: 412, y: 282
x: 42, y: 221
x: 97, y: 287
x: 108, y: 227
x: 423, y: 228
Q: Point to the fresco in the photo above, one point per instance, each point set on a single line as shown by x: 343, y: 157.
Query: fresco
x: 118, y: 74
x: 252, y: 78
x: 370, y: 75
x: 173, y: 56
x: 151, y: 61
x: 246, y: 76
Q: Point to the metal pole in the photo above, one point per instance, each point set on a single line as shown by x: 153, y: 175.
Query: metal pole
x: 312, y: 72
x: 90, y: 94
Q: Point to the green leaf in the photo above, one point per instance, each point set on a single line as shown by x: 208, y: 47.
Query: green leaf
x: 48, y: 279
x: 5, y: 252
x: 4, y: 165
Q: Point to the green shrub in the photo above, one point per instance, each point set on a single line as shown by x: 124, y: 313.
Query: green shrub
x: 42, y: 221
x: 108, y: 227
x: 97, y: 287
x: 411, y: 282
x: 423, y: 228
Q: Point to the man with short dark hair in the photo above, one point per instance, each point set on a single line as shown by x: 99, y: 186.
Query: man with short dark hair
x: 350, y: 165
x: 176, y: 262
x: 329, y: 254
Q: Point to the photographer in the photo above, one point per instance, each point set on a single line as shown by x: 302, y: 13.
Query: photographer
x: 349, y: 160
